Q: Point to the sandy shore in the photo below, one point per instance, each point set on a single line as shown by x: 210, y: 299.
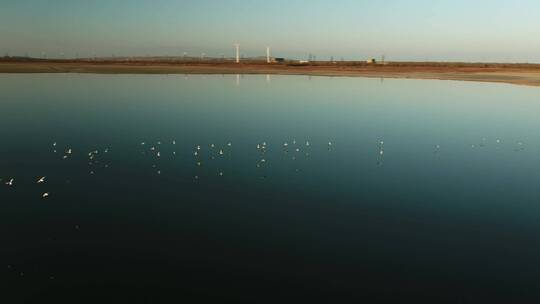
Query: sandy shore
x: 507, y: 73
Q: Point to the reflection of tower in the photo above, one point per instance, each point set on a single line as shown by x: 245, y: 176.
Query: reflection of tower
x: 237, y: 52
x: 267, y: 54
x: 268, y: 79
x: 237, y: 79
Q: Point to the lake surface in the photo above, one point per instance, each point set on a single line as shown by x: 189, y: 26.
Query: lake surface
x: 303, y: 188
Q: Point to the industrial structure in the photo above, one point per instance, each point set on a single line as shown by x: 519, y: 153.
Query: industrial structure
x: 237, y: 52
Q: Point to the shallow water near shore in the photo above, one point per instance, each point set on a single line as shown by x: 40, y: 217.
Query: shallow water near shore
x: 163, y: 187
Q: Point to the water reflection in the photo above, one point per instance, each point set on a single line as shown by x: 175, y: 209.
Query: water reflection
x: 331, y: 183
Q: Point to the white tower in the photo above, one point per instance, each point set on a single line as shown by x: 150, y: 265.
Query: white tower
x: 237, y: 52
x: 267, y: 54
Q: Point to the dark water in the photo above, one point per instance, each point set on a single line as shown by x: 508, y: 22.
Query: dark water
x: 445, y: 210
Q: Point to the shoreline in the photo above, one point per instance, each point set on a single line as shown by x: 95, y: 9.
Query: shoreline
x: 516, y: 74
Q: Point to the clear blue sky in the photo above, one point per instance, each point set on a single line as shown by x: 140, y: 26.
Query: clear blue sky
x: 468, y: 30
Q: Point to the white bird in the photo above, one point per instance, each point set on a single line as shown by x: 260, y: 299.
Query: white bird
x: 329, y: 143
x: 68, y: 151
x: 158, y: 154
x: 285, y: 144
x: 54, y: 144
x: 45, y: 195
x: 174, y: 142
x: 143, y: 143
x: 212, y: 145
x: 41, y: 180
x: 229, y: 144
x: 220, y: 152
x: 307, y: 143
x: 198, y: 147
x: 196, y: 153
x: 10, y: 182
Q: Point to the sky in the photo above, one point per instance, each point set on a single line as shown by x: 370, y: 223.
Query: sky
x: 436, y: 30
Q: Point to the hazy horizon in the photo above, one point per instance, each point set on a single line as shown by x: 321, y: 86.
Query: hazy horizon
x: 416, y: 30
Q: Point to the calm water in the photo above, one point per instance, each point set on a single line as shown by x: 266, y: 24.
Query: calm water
x: 388, y: 190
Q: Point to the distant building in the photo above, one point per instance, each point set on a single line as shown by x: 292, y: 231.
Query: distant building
x: 371, y: 61
x: 279, y: 59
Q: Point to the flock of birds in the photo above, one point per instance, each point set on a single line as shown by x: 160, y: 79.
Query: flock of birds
x: 214, y: 151
x: 154, y: 150
x: 294, y: 148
